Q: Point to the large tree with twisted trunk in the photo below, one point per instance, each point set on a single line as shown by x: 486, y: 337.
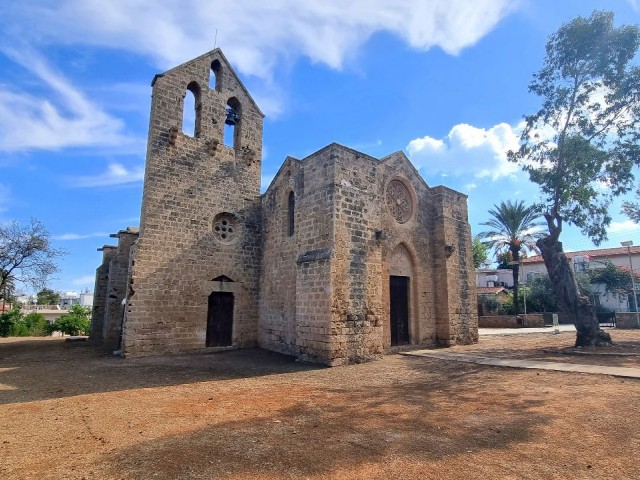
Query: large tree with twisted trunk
x: 582, y: 145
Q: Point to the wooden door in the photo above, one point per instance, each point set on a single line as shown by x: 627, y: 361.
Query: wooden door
x: 220, y: 319
x: 399, y: 308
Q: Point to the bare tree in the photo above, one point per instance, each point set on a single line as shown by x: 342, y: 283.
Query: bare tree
x: 26, y: 254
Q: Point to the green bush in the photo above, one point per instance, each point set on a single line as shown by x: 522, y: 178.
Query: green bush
x: 37, y: 324
x: 74, y: 322
x: 10, y: 319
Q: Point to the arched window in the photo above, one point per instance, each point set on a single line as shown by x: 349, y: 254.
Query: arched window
x: 233, y: 117
x: 215, y: 76
x: 191, y: 112
x: 292, y: 213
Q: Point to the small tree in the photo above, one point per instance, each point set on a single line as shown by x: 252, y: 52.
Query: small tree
x: 75, y: 322
x: 582, y: 144
x: 48, y: 297
x: 8, y: 321
x: 26, y: 254
x: 36, y: 324
x: 512, y: 228
x: 480, y: 252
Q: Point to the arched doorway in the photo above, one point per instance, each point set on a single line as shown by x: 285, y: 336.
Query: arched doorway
x: 401, y: 276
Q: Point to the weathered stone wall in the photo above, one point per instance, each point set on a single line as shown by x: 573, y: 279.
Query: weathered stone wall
x: 626, y: 320
x: 347, y: 244
x: 408, y: 250
x: 356, y: 309
x: 117, y: 289
x: 531, y: 320
x: 277, y: 330
x: 456, y: 310
x: 100, y: 293
x: 192, y: 183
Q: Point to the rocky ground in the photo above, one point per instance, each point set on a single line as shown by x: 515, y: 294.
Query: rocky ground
x: 69, y: 412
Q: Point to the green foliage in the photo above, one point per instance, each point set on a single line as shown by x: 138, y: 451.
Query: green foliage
x: 490, y: 303
x: 36, y: 324
x: 14, y: 323
x: 75, y: 322
x: 586, y: 133
x: 541, y: 296
x: 511, y: 228
x: 48, y: 297
x: 8, y: 320
x: 479, y: 252
x: 615, y: 279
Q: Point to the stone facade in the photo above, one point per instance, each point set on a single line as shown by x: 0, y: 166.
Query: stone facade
x: 344, y: 257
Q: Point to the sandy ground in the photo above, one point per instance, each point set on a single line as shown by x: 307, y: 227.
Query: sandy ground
x: 69, y: 412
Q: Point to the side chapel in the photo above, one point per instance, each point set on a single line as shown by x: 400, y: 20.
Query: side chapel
x: 343, y: 258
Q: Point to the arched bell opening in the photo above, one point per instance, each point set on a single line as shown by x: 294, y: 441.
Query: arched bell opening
x: 191, y: 110
x: 233, y: 116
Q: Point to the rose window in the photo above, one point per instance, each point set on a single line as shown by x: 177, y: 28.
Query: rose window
x: 225, y: 227
x: 399, y: 201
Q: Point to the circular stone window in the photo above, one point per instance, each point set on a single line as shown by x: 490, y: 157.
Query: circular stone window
x: 225, y: 227
x: 399, y: 202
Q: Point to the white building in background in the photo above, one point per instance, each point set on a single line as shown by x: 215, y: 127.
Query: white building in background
x: 494, y: 277
x: 623, y: 257
x: 68, y: 299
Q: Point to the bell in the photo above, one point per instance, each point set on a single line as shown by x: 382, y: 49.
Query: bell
x: 232, y: 117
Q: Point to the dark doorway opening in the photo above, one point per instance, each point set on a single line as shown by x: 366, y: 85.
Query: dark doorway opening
x: 399, y: 307
x: 220, y: 319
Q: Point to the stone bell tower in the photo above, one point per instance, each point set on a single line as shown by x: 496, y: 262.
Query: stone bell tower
x: 195, y: 267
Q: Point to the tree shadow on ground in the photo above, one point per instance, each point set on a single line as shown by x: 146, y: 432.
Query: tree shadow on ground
x: 45, y: 369
x: 339, y: 431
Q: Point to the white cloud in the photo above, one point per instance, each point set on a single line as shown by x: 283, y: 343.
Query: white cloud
x: 635, y: 4
x: 467, y: 150
x: 116, y: 174
x: 256, y: 35
x: 78, y: 236
x: 624, y: 226
x: 66, y: 118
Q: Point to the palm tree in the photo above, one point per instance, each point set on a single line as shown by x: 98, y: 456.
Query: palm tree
x: 513, y: 227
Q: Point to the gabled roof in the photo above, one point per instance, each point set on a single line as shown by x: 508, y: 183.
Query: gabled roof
x: 596, y: 253
x: 216, y: 52
x: 406, y: 160
x: 490, y: 290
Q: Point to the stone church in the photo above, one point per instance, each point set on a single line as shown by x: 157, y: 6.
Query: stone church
x: 343, y: 258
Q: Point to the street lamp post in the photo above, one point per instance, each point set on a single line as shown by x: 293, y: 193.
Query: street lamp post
x: 628, y: 244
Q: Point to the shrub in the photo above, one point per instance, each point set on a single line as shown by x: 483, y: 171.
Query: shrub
x: 74, y: 322
x: 8, y: 320
x: 37, y: 324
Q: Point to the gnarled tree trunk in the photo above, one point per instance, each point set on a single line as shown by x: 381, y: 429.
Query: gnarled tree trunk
x: 570, y: 301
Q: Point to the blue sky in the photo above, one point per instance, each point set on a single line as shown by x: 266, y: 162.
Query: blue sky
x: 445, y: 81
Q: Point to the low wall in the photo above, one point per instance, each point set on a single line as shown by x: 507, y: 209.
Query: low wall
x: 626, y: 320
x: 511, y: 321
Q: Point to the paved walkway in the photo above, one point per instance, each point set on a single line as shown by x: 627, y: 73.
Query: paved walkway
x: 521, y: 331
x: 535, y: 364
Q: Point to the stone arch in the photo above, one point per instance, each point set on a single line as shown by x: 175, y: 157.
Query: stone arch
x: 215, y: 76
x: 232, y: 132
x: 402, y: 267
x: 191, y: 110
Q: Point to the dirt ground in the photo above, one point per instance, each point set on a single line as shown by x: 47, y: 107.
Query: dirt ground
x: 70, y: 412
